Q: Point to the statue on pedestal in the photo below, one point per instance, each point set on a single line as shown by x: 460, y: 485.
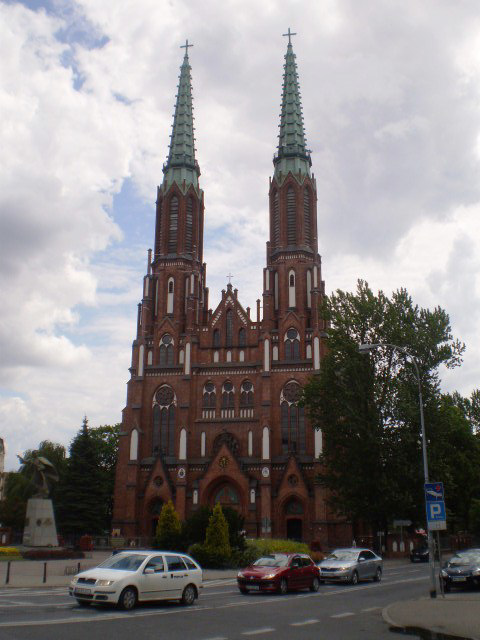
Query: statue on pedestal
x: 40, y: 529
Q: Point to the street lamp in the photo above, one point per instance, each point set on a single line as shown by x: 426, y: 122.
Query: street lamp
x: 366, y: 348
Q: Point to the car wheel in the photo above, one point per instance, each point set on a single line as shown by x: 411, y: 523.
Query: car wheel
x: 283, y: 588
x: 378, y: 575
x: 188, y: 595
x: 354, y: 578
x: 128, y: 599
x: 315, y: 586
x: 84, y: 603
x: 446, y: 587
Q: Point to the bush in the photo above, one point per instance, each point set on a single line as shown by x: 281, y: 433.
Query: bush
x: 169, y: 529
x: 52, y: 554
x: 9, y: 551
x: 216, y: 540
x: 266, y: 546
x: 209, y: 558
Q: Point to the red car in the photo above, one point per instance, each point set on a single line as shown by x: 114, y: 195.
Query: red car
x: 280, y: 572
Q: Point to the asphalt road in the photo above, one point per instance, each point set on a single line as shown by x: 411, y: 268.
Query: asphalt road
x: 336, y: 612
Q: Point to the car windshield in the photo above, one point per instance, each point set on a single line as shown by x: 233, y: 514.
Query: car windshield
x: 343, y: 555
x: 468, y: 557
x: 122, y: 562
x: 272, y: 561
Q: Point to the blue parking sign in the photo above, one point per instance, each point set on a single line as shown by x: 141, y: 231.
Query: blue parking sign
x: 434, y: 491
x: 434, y: 500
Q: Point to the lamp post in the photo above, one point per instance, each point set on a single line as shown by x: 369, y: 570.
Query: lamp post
x: 366, y: 348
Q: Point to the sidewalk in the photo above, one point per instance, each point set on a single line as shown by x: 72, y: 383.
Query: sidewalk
x: 458, y: 614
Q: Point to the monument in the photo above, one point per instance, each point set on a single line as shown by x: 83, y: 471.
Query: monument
x: 40, y: 529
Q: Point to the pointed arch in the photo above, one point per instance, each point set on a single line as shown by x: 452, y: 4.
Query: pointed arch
x: 228, y: 400
x: 276, y: 220
x: 164, y: 412
x: 189, y: 225
x: 291, y: 216
x: 229, y: 328
x: 292, y: 419
x: 307, y: 216
x: 173, y: 225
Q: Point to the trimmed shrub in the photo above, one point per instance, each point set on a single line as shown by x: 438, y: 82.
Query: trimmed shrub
x: 169, y: 529
x: 216, y: 539
x: 209, y: 558
x: 9, y: 551
x: 266, y: 546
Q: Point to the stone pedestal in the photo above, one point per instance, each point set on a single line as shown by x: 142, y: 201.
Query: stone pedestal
x: 40, y: 529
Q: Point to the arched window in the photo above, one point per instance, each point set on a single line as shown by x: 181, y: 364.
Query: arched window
x: 292, y: 345
x: 246, y: 399
x: 227, y: 496
x: 309, y: 288
x: 216, y: 338
x: 276, y: 220
x: 292, y: 419
x: 166, y: 350
x: 306, y: 216
x: 134, y: 444
x: 242, y: 337
x: 229, y: 328
x: 189, y: 226
x: 209, y: 400
x: 164, y: 405
x: 173, y: 225
x: 141, y: 356
x: 228, y: 400
x: 291, y: 217
x: 170, y: 291
x: 291, y: 289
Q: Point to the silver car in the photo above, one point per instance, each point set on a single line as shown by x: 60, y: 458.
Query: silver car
x: 351, y: 565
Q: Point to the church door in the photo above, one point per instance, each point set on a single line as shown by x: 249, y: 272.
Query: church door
x: 294, y: 529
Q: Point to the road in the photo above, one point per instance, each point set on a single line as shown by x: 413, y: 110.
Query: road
x: 336, y: 612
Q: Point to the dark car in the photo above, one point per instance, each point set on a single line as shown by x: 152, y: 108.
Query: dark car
x: 420, y: 554
x: 280, y: 572
x: 462, y: 570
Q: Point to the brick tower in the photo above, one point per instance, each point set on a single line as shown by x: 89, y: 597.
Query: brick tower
x: 212, y: 411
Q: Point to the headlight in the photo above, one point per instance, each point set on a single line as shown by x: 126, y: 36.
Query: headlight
x: 443, y: 573
x: 269, y: 576
x: 240, y: 574
x: 75, y: 580
x: 104, y: 583
x: 476, y: 572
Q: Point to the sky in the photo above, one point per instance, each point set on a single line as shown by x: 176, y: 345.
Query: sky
x: 391, y: 101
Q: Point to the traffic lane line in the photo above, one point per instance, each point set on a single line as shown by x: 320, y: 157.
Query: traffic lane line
x: 256, y: 632
x: 304, y: 623
x: 346, y: 614
x: 250, y: 602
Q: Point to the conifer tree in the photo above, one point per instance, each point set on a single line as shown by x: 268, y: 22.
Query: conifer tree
x: 217, y: 540
x: 80, y: 507
x: 168, y: 533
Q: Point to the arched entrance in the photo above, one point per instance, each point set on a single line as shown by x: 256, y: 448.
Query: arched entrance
x: 294, y: 519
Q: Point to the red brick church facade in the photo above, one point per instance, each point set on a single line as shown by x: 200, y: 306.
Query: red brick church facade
x: 211, y: 409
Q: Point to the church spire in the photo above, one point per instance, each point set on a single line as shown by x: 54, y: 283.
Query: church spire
x: 181, y: 164
x: 292, y: 154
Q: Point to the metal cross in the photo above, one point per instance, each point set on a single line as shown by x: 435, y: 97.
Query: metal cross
x: 185, y: 46
x: 289, y: 34
x: 230, y: 276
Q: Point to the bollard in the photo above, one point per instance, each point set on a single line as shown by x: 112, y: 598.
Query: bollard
x: 78, y: 568
x: 7, y: 579
x: 44, y: 572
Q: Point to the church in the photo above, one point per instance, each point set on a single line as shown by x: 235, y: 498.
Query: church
x: 212, y: 409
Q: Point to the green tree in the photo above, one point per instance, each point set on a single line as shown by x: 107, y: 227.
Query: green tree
x: 18, y: 490
x: 168, y: 532
x: 368, y: 406
x: 105, y: 440
x: 216, y: 539
x: 82, y: 494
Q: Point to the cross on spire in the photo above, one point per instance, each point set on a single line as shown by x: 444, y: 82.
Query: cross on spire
x: 185, y: 46
x: 289, y: 34
x: 230, y: 276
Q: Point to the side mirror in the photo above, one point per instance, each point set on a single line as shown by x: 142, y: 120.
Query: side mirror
x: 361, y: 559
x: 149, y: 570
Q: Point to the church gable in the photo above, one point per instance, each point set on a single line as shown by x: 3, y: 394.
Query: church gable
x: 292, y: 483
x: 158, y: 486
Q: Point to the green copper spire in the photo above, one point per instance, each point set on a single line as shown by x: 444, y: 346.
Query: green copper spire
x: 292, y: 154
x: 181, y: 164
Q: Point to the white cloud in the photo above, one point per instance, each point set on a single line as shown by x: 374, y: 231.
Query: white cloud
x: 390, y: 95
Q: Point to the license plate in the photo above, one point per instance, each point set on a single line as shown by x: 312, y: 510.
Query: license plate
x: 253, y: 587
x: 459, y: 579
x: 81, y: 590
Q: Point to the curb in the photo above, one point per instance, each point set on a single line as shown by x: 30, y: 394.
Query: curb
x: 388, y: 619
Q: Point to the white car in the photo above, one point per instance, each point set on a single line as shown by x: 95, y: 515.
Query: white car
x: 128, y: 577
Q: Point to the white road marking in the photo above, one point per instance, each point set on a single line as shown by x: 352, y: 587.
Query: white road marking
x: 370, y: 609
x: 305, y: 622
x: 256, y: 632
x: 343, y: 615
x: 242, y: 602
